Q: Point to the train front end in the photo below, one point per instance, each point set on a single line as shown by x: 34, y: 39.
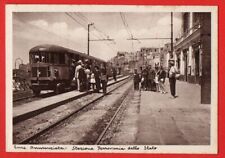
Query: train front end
x: 43, y: 73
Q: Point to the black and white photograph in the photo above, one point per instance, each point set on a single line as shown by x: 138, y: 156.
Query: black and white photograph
x: 117, y: 79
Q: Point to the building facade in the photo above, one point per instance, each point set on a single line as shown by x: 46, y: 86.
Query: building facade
x: 193, y: 52
x: 149, y: 56
x: 188, y: 52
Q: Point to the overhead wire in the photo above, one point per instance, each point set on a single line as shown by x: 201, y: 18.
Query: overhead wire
x: 127, y: 29
x: 86, y: 19
x: 76, y: 20
x: 101, y: 33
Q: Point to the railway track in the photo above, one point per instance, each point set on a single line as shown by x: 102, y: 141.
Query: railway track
x: 112, y: 119
x: 125, y: 116
x: 27, y: 110
x: 28, y: 96
x: 106, y: 127
x: 41, y: 123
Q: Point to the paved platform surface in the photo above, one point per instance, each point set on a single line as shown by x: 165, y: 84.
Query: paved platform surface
x: 180, y: 121
x: 42, y: 103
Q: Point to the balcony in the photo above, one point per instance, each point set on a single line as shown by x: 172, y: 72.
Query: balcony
x: 190, y: 35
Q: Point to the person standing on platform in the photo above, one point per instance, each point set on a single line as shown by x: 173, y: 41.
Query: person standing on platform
x: 104, y: 79
x: 144, y: 79
x: 114, y: 72
x: 136, y: 80
x: 88, y: 75
x: 162, y: 78
x: 151, y: 77
x: 157, y: 79
x: 92, y: 81
x: 78, y: 67
x: 82, y: 78
x: 148, y: 78
x: 172, y: 79
x: 97, y: 78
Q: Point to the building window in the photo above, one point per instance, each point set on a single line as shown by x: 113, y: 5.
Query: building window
x: 196, y: 19
x: 186, y: 22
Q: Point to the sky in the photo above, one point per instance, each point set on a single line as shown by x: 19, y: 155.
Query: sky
x: 69, y: 29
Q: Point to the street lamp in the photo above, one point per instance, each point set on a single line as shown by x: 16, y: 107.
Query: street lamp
x: 18, y: 59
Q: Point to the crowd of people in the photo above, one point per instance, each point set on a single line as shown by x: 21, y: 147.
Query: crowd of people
x: 153, y: 79
x: 150, y: 79
x: 91, y: 78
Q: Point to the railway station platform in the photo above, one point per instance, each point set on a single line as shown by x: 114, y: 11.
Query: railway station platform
x: 164, y: 120
x: 42, y: 104
x: 158, y: 119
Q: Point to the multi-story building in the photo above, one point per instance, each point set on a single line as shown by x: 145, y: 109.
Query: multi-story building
x: 148, y: 56
x: 128, y: 61
x: 123, y: 61
x: 193, y: 52
x: 188, y: 49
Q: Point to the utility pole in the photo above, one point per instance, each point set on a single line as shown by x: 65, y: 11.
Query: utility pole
x: 160, y: 38
x: 89, y: 37
x: 104, y: 39
x: 171, y: 55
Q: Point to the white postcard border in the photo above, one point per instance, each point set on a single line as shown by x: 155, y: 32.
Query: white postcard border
x: 190, y: 149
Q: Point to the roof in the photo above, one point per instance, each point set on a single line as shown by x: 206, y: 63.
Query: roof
x: 55, y: 48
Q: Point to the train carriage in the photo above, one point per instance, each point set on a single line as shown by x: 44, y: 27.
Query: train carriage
x: 53, y: 67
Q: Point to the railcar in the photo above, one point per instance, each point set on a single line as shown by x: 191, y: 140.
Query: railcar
x: 53, y: 67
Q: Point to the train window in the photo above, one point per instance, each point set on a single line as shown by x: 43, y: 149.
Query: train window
x: 51, y: 58
x: 44, y: 57
x: 40, y: 57
x: 61, y: 58
x: 56, y: 58
x: 36, y: 58
x: 69, y: 58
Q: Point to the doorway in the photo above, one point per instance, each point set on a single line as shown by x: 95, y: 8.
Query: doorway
x: 185, y: 65
x: 197, y: 66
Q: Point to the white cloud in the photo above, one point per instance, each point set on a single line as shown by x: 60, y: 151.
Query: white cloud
x: 77, y: 34
x: 59, y: 26
x: 39, y: 23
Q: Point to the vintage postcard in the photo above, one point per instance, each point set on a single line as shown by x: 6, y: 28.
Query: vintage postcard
x: 112, y: 79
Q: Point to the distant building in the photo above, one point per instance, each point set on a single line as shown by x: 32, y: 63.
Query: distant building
x: 121, y: 61
x: 148, y: 56
x: 165, y: 56
x: 23, y: 73
x: 21, y: 77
